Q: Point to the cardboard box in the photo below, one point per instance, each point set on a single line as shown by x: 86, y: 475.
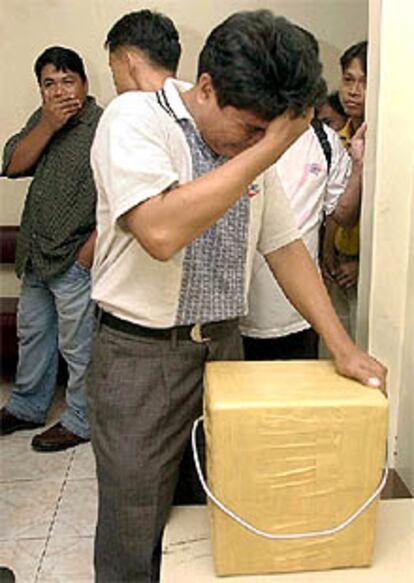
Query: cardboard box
x: 291, y: 447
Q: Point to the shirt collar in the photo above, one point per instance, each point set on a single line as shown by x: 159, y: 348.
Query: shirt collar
x: 171, y: 91
x: 346, y: 133
x: 175, y: 105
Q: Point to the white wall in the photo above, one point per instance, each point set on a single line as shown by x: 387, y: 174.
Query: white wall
x: 387, y: 259
x: 29, y: 26
x: 405, y: 423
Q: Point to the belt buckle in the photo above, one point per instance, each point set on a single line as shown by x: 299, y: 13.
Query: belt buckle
x: 196, y: 334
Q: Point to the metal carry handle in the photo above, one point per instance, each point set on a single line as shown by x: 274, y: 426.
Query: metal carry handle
x: 269, y: 535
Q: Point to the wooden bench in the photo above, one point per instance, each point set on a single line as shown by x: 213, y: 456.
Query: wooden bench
x: 8, y: 306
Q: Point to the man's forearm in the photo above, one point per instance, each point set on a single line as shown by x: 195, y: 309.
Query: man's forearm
x: 29, y: 149
x: 297, y: 275
x: 170, y: 221
x: 347, y: 210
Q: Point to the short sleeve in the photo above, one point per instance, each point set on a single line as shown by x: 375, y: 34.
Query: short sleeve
x: 131, y: 157
x: 278, y: 225
x: 15, y: 139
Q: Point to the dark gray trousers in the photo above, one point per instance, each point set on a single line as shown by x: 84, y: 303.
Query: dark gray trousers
x: 143, y: 396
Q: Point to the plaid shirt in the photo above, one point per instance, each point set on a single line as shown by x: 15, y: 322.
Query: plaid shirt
x: 59, y: 211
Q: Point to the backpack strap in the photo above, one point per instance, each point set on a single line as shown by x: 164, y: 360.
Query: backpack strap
x: 322, y: 136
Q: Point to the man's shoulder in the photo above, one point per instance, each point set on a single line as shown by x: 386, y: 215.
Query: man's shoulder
x: 92, y: 112
x: 306, y: 146
x: 97, y: 109
x: 131, y: 103
x: 333, y: 136
x: 33, y: 119
x: 322, y: 127
x: 335, y: 142
x: 137, y: 113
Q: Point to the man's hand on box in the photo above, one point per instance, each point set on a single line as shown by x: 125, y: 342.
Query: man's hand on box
x: 362, y: 367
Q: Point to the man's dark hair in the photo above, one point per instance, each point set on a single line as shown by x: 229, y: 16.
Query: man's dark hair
x: 312, y: 40
x: 263, y: 64
x: 63, y: 59
x: 334, y: 101
x: 358, y: 51
x: 152, y: 33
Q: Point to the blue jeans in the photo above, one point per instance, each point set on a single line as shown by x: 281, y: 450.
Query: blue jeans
x: 53, y: 315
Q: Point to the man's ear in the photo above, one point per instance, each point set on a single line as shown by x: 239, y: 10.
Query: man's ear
x: 205, y: 88
x: 130, y: 61
x: 134, y: 63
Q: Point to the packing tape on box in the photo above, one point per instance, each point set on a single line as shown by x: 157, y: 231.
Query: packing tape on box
x: 288, y: 536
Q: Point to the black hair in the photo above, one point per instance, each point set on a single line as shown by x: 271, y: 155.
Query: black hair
x: 358, y: 51
x: 309, y: 36
x: 63, y: 59
x: 264, y: 64
x: 151, y: 32
x: 334, y: 101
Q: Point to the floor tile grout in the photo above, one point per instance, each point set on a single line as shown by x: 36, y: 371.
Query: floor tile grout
x: 55, y: 513
x: 29, y: 480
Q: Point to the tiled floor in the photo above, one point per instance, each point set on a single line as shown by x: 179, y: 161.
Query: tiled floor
x: 48, y: 510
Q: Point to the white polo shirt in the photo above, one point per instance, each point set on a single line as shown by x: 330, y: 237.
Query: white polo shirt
x: 139, y: 151
x: 312, y: 192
